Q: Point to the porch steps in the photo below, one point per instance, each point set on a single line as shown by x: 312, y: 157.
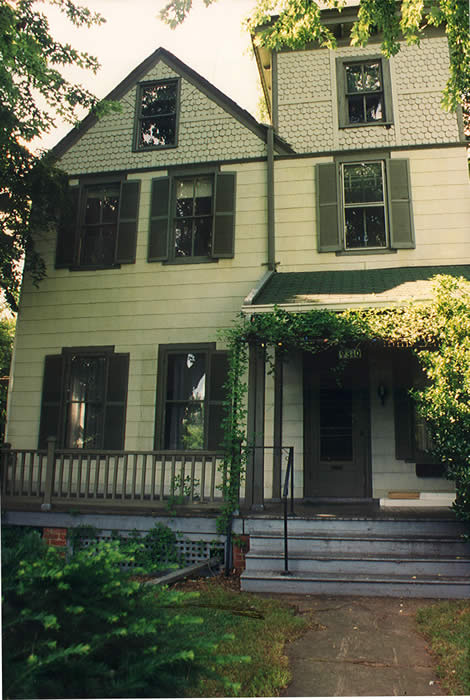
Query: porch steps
x: 381, y: 557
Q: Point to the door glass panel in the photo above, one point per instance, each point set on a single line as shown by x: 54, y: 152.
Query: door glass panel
x: 336, y: 442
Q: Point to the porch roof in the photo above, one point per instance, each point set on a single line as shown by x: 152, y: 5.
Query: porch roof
x: 346, y: 288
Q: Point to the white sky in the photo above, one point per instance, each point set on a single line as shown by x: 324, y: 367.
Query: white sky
x: 211, y: 41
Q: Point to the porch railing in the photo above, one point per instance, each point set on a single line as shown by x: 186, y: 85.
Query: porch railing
x: 108, y: 478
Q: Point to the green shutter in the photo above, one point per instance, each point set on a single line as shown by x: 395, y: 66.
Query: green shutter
x: 328, y: 230
x: 52, y: 395
x: 223, y: 235
x: 68, y: 229
x: 158, y: 247
x: 128, y: 218
x: 401, y: 214
x: 116, y: 401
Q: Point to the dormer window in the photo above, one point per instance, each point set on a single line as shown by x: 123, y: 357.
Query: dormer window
x: 364, y: 92
x: 157, y: 112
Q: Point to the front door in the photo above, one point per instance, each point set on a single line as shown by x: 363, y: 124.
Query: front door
x: 336, y: 428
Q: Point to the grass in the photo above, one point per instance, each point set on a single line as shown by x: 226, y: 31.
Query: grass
x: 446, y: 626
x: 260, y: 628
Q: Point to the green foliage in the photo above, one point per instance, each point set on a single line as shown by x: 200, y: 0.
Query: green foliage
x: 296, y: 23
x: 33, y: 92
x: 155, y: 550
x: 84, y: 628
x: 446, y: 626
x: 7, y: 332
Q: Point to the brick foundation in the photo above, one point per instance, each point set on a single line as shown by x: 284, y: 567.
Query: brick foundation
x: 55, y: 536
x: 240, y: 548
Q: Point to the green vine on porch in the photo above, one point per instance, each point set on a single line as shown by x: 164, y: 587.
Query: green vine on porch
x: 438, y: 332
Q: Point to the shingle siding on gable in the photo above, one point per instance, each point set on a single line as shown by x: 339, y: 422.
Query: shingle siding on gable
x: 307, y: 102
x: 206, y: 132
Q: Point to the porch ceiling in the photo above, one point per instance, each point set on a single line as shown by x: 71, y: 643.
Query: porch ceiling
x: 341, y: 288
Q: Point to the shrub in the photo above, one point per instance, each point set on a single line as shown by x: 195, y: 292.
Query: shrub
x: 84, y: 628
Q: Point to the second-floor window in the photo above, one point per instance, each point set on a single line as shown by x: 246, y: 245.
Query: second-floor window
x: 364, y: 211
x: 193, y: 216
x: 364, y: 92
x: 364, y: 206
x: 157, y: 112
x: 98, y: 226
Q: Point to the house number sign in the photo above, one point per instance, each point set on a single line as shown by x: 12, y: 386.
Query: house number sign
x: 350, y: 354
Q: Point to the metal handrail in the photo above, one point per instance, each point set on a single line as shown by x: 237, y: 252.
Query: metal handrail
x: 285, y: 498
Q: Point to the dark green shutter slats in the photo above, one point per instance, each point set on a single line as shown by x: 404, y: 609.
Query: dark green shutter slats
x: 51, y: 406
x: 401, y: 215
x: 223, y: 236
x: 67, y: 229
x: 116, y: 401
x: 128, y: 219
x: 328, y: 230
x: 158, y: 248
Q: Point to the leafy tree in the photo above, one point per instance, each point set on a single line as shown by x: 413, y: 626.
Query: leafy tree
x: 298, y: 22
x: 83, y: 628
x: 445, y: 402
x: 33, y: 93
x: 7, y: 330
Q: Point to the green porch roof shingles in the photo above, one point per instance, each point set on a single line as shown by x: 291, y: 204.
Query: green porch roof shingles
x: 357, y: 285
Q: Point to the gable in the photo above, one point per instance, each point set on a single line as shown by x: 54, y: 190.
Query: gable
x: 211, y: 127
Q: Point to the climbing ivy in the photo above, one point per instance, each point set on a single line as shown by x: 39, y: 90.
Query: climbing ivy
x: 439, y: 334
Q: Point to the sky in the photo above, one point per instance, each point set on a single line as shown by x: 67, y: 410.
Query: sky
x: 211, y: 41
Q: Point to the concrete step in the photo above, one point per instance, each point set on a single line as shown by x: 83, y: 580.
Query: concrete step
x: 383, y: 564
x: 315, y: 543
x: 421, y: 526
x: 330, y: 583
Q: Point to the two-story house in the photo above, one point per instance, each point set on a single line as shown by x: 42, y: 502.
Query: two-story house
x: 183, y: 211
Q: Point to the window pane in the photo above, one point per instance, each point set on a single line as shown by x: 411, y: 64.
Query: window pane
x: 356, y: 109
x: 110, y: 205
x: 85, y: 402
x: 102, y: 204
x: 354, y: 79
x: 158, y: 99
x: 215, y: 435
x: 374, y: 108
x: 184, y: 426
x: 93, y: 207
x: 98, y: 245
x: 365, y: 227
x: 372, y: 77
x: 203, y: 195
x: 375, y: 227
x: 186, y: 377
x: 184, y: 197
x: 203, y: 236
x: 219, y: 375
x: 336, y: 425
x: 157, y: 131
x: 363, y: 183
x: 183, y: 238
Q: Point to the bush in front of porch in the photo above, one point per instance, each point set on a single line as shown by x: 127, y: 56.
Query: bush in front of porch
x: 82, y: 627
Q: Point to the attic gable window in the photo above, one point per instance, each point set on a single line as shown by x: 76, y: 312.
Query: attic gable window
x: 364, y: 92
x: 157, y: 111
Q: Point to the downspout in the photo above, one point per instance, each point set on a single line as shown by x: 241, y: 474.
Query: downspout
x: 270, y: 193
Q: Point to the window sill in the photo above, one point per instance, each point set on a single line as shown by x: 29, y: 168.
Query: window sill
x: 146, y: 149
x: 190, y: 261
x: 366, y: 251
x: 361, y: 125
x: 90, y: 268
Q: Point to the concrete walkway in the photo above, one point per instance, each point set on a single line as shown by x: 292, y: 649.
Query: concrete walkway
x: 360, y: 647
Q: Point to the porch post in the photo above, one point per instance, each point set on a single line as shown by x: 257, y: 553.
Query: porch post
x: 50, y: 472
x: 278, y: 387
x: 254, y: 492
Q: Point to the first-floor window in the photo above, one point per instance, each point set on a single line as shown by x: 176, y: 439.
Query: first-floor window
x: 84, y: 399
x: 191, y: 396
x: 364, y: 210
